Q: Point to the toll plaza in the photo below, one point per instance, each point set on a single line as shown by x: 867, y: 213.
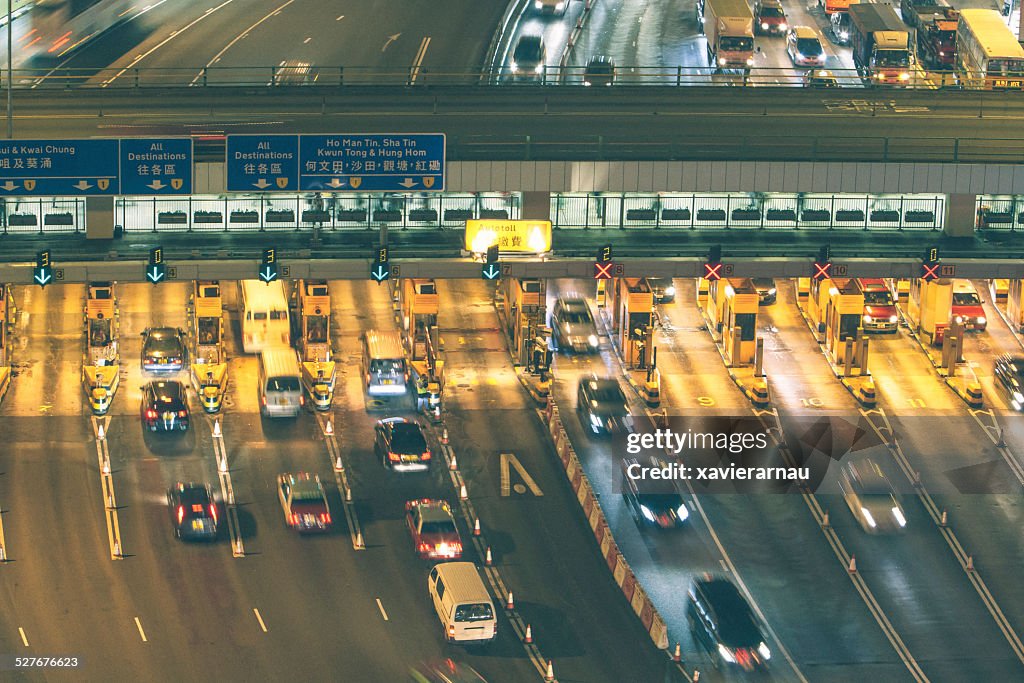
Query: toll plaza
x: 1014, y: 305
x: 731, y: 317
x: 929, y: 314
x: 100, y: 363
x: 209, y: 370
x: 418, y: 309
x: 7, y: 315
x: 522, y: 309
x: 313, y: 305
x: 629, y: 313
x: 833, y: 310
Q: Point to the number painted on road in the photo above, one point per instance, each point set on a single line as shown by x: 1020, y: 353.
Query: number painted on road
x: 706, y: 401
x: 813, y: 402
x: 916, y: 402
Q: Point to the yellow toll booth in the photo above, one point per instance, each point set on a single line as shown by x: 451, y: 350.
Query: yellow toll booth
x: 703, y: 288
x: 209, y: 371
x: 100, y: 364
x: 419, y: 308
x: 803, y: 291
x: 737, y: 299
x: 929, y: 308
x: 818, y: 297
x: 525, y: 308
x: 1015, y: 304
x: 632, y: 305
x: 7, y: 314
x: 844, y: 312
x: 318, y: 367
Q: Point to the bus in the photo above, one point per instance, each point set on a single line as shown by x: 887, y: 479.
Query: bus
x: 59, y: 27
x: 265, y: 320
x: 988, y: 55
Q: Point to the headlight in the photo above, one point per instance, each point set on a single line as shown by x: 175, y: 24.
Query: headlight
x: 722, y: 61
x: 982, y: 320
x: 904, y: 76
x: 844, y: 35
x: 941, y: 53
x: 670, y: 291
x: 764, y: 25
x: 750, y: 61
x: 893, y: 318
x: 958, y: 319
x: 539, y: 68
x: 682, y: 513
x: 867, y: 318
x: 763, y: 649
x: 771, y: 292
x: 1019, y: 397
x: 647, y: 513
x: 592, y: 340
x: 595, y: 420
x: 898, y: 514
x: 538, y: 4
x: 726, y: 654
x: 867, y: 516
x: 783, y: 26
x: 513, y: 66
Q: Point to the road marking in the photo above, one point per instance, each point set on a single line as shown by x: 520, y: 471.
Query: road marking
x: 418, y: 62
x: 380, y: 606
x: 243, y: 34
x: 391, y: 39
x: 259, y: 618
x: 138, y: 625
x: 24, y: 638
x: 506, y: 459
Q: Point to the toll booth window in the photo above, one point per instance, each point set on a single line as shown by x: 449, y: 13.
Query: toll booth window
x: 638, y: 323
x: 848, y: 325
x: 746, y: 323
x: 428, y: 288
x: 99, y: 332
x: 210, y: 292
x: 380, y: 365
x: 209, y: 331
x: 259, y: 315
x: 316, y: 329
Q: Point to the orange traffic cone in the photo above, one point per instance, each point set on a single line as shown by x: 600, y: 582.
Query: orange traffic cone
x: 476, y: 527
x: 487, y: 559
x: 529, y: 634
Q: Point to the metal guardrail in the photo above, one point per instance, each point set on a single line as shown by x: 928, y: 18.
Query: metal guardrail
x: 422, y: 77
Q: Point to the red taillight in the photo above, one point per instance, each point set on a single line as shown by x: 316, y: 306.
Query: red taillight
x: 325, y: 517
x: 213, y: 512
x: 424, y: 547
x: 263, y: 399
x: 181, y: 513
x: 182, y: 413
x: 294, y: 519
x: 394, y: 457
x: 457, y: 547
x: 151, y: 414
x: 426, y: 455
x: 451, y: 631
x: 302, y: 400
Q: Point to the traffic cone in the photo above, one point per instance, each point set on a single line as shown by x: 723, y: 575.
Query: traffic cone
x: 463, y: 494
x: 476, y: 527
x: 488, y: 560
x: 853, y: 565
x: 824, y: 520
x: 453, y: 464
x: 239, y: 551
x: 117, y: 548
x: 529, y: 635
x: 216, y: 429
x: 970, y: 563
x: 3, y: 558
x: 444, y: 436
x: 337, y: 463
x: 329, y: 429
x: 224, y: 463
x: 696, y: 676
x: 549, y: 675
x: 360, y: 544
x: 677, y: 656
x: 100, y: 434
x: 942, y: 522
x: 510, y: 604
x: 106, y: 465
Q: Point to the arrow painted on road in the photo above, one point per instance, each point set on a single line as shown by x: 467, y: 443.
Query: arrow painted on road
x: 407, y: 183
x: 380, y: 273
x: 491, y: 271
x: 268, y: 274
x: 82, y: 185
x: 156, y: 185
x: 336, y: 182
x: 261, y: 183
x: 154, y: 275
x: 10, y: 185
x: 390, y: 40
x: 43, y: 278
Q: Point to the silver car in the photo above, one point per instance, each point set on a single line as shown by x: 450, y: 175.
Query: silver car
x: 572, y: 326
x: 872, y: 498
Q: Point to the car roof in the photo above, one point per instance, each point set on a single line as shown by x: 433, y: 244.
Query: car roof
x: 735, y: 618
x: 162, y: 332
x: 192, y: 492
x: 167, y: 387
x: 573, y: 302
x: 600, y: 59
x: 434, y: 511
x: 804, y: 32
x: 870, y: 477
x: 600, y: 383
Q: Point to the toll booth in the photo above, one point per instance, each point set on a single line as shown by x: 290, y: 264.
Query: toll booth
x: 703, y: 289
x: 419, y: 307
x: 900, y: 290
x: 845, y: 341
x: 632, y: 305
x: 818, y: 298
x: 100, y: 363
x: 7, y: 317
x: 736, y: 300
x: 929, y: 308
x: 803, y: 291
x: 209, y: 371
x: 319, y: 372
x: 1015, y: 304
x: 525, y: 308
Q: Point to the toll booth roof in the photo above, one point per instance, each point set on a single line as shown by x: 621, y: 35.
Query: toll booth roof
x: 742, y: 285
x: 637, y: 285
x: 846, y: 285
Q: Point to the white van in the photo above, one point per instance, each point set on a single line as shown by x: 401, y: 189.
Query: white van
x: 462, y: 603
x: 384, y: 368
x: 280, y: 384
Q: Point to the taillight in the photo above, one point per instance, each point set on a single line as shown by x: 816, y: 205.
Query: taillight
x: 424, y: 547
x: 426, y: 455
x: 325, y: 518
x: 294, y: 519
x: 457, y: 547
x: 181, y: 513
x: 451, y: 630
x: 151, y: 414
x: 182, y: 413
x: 393, y: 457
x: 302, y: 400
x: 213, y: 512
x: 263, y: 399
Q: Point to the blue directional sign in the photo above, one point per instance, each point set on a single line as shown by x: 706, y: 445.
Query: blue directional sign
x: 43, y: 272
x: 156, y: 166
x: 59, y: 167
x: 156, y: 269
x: 392, y: 162
x: 381, y: 269
x: 263, y: 163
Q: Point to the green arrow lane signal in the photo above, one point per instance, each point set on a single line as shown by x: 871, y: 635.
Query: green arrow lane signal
x: 490, y: 271
x: 268, y: 272
x: 380, y: 272
x: 156, y: 272
x: 43, y: 272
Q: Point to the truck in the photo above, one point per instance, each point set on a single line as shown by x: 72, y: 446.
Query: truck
x: 880, y: 43
x: 729, y: 27
x: 936, y: 37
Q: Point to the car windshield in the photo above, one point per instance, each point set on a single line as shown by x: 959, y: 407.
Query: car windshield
x: 527, y: 51
x: 607, y: 392
x: 440, y: 528
x: 576, y: 316
x: 772, y: 12
x: 764, y: 282
x: 194, y: 496
x: 966, y: 299
x: 661, y: 502
x: 736, y: 43
x: 879, y: 298
x: 283, y: 384
x: 892, y: 58
x: 480, y: 611
x: 162, y: 344
x: 599, y: 68
x: 809, y: 47
x: 408, y: 439
x: 1017, y: 367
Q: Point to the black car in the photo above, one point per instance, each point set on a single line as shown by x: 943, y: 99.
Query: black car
x: 652, y: 501
x: 1009, y: 372
x: 600, y: 70
x: 663, y: 288
x: 766, y: 291
x: 401, y: 446
x: 193, y: 511
x: 164, y: 406
x: 724, y: 625
x: 528, y: 58
x: 602, y: 405
x: 163, y: 349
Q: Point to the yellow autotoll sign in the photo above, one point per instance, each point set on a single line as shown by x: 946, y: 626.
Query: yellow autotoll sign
x: 519, y: 237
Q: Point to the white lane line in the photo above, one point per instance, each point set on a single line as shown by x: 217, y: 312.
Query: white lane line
x: 418, y: 62
x: 243, y: 34
x: 380, y: 606
x: 138, y: 624
x: 24, y: 638
x: 259, y: 618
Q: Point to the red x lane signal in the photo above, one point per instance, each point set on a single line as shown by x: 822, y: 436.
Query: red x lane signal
x: 603, y: 271
x: 822, y: 271
x: 929, y: 271
x: 713, y: 271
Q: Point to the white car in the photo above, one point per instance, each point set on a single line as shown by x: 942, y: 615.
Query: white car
x: 871, y: 498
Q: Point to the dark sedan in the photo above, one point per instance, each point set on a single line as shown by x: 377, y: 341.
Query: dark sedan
x: 602, y: 406
x: 164, y: 406
x: 193, y: 511
x: 652, y: 502
x: 163, y: 349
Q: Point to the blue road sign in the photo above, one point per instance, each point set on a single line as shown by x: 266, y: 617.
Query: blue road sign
x: 393, y: 162
x: 380, y: 271
x: 263, y: 163
x: 490, y: 271
x: 155, y: 166
x: 59, y: 167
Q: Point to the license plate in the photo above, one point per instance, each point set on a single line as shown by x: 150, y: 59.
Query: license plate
x: 388, y: 381
x: 280, y: 401
x: 168, y: 416
x: 410, y: 458
x: 197, y: 525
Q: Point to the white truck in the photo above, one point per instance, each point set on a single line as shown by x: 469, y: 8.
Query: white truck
x: 729, y: 27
